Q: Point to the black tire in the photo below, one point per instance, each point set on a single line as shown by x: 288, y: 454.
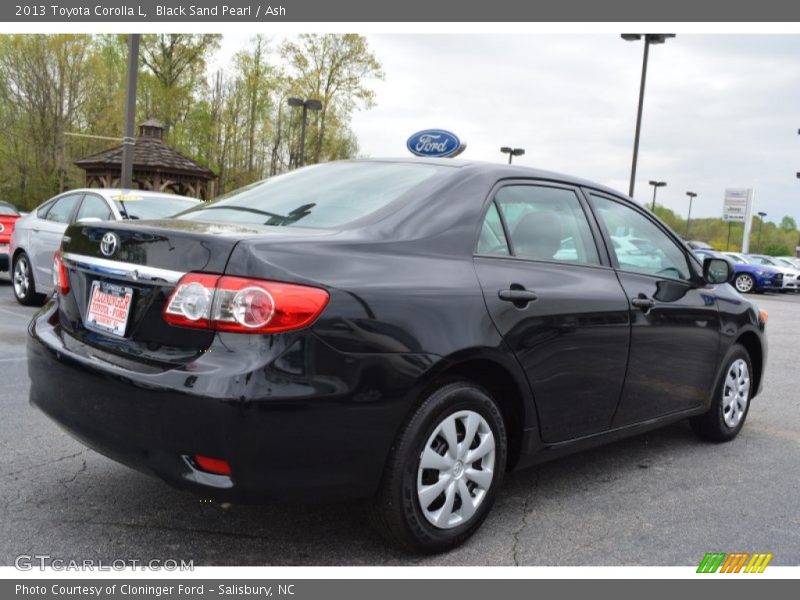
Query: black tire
x: 712, y: 425
x: 396, y: 510
x: 744, y: 283
x: 25, y: 294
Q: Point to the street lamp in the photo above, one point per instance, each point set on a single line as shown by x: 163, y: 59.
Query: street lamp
x: 512, y: 152
x: 761, y: 216
x: 656, y: 185
x: 308, y: 104
x: 649, y: 38
x: 692, y: 196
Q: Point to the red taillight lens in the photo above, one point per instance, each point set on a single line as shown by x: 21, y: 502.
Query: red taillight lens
x: 243, y: 305
x: 60, y: 275
x: 217, y: 466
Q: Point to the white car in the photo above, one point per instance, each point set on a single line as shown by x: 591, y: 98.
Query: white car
x: 792, y: 261
x: 38, y: 235
x: 791, y: 274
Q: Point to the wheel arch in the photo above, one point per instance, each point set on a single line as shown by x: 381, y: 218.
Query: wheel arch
x: 503, y: 379
x: 752, y: 344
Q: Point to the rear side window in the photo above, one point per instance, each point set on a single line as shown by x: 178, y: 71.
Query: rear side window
x: 323, y: 196
x: 62, y: 209
x: 547, y: 223
x: 41, y: 212
x: 93, y: 207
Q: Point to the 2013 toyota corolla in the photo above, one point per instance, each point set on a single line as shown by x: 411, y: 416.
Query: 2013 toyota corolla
x: 405, y: 330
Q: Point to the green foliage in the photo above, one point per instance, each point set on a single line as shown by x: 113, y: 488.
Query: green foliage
x: 235, y: 121
x: 778, y: 250
x: 766, y: 238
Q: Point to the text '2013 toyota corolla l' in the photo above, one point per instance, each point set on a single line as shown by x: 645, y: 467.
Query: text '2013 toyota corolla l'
x: 400, y: 330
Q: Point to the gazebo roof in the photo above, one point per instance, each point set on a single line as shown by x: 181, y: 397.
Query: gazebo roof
x: 150, y: 153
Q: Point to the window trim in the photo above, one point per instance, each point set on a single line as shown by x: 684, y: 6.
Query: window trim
x: 595, y: 233
x: 694, y: 277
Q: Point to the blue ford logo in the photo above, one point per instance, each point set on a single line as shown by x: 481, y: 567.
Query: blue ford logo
x: 434, y: 143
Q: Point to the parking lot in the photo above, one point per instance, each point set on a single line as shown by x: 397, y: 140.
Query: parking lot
x: 664, y: 498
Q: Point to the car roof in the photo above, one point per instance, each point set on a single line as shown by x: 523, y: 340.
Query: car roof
x: 500, y: 171
x: 110, y: 193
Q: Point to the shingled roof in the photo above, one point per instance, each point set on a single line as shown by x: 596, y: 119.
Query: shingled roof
x: 150, y: 153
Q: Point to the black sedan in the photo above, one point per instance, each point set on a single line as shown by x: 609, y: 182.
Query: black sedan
x: 400, y: 330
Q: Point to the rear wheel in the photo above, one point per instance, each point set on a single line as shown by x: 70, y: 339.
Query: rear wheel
x: 23, y: 283
x: 744, y: 283
x: 728, y: 411
x: 443, y: 471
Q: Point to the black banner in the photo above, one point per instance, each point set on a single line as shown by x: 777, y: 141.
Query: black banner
x: 266, y: 11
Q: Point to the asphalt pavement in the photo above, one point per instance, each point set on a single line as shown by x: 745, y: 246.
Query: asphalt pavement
x: 664, y: 498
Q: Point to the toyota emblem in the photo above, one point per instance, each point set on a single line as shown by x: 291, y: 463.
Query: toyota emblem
x: 109, y: 244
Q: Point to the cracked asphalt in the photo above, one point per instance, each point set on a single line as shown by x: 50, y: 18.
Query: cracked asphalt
x: 663, y: 498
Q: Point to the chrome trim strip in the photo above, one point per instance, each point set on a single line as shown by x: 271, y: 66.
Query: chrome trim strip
x: 128, y: 271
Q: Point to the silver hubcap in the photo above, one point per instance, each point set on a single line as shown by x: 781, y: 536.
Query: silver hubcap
x: 456, y: 469
x: 22, y: 278
x: 736, y: 393
x: 744, y: 283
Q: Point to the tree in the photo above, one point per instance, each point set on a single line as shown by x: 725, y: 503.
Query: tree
x: 336, y: 69
x: 788, y: 224
x: 174, y: 66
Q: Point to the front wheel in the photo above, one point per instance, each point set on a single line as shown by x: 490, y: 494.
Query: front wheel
x: 731, y: 402
x: 744, y: 283
x: 443, y: 471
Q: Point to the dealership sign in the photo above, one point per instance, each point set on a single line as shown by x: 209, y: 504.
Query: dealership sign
x: 434, y: 143
x: 736, y: 206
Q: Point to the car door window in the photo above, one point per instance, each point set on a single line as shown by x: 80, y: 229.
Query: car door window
x: 547, y: 223
x: 62, y: 209
x: 93, y: 207
x: 639, y: 244
x: 493, y: 238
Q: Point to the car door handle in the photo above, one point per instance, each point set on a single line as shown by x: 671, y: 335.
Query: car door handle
x: 519, y: 297
x: 643, y: 302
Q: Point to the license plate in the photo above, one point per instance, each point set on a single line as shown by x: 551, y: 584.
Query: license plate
x: 3, y: 248
x: 109, y: 307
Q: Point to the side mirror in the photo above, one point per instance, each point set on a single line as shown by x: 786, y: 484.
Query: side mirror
x: 717, y: 270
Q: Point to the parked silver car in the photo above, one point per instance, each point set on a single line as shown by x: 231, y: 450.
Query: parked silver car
x: 38, y: 235
x: 791, y: 274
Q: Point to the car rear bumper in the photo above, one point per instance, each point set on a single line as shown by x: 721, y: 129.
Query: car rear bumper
x: 323, y: 434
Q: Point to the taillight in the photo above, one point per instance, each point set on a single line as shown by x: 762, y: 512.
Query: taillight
x: 243, y: 305
x: 60, y: 275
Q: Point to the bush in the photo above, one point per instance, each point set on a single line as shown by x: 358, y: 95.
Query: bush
x: 777, y: 250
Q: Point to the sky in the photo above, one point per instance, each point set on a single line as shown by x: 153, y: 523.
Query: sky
x: 720, y: 111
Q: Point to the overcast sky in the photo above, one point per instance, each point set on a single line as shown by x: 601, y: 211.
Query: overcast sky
x: 720, y: 110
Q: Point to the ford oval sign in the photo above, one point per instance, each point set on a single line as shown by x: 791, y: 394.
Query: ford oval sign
x: 433, y: 143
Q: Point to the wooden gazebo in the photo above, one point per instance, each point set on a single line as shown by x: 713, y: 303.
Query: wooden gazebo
x: 156, y: 166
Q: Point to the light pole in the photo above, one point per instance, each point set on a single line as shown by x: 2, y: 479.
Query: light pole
x: 692, y: 196
x: 649, y: 38
x: 307, y: 104
x: 512, y: 152
x: 656, y: 185
x: 761, y: 216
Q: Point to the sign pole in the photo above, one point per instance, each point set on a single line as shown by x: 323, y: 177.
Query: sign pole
x: 748, y: 222
x: 728, y: 243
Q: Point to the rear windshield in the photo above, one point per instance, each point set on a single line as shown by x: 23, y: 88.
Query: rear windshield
x: 5, y: 209
x: 321, y: 196
x: 133, y: 206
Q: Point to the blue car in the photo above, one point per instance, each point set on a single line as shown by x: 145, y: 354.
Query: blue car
x: 748, y: 278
